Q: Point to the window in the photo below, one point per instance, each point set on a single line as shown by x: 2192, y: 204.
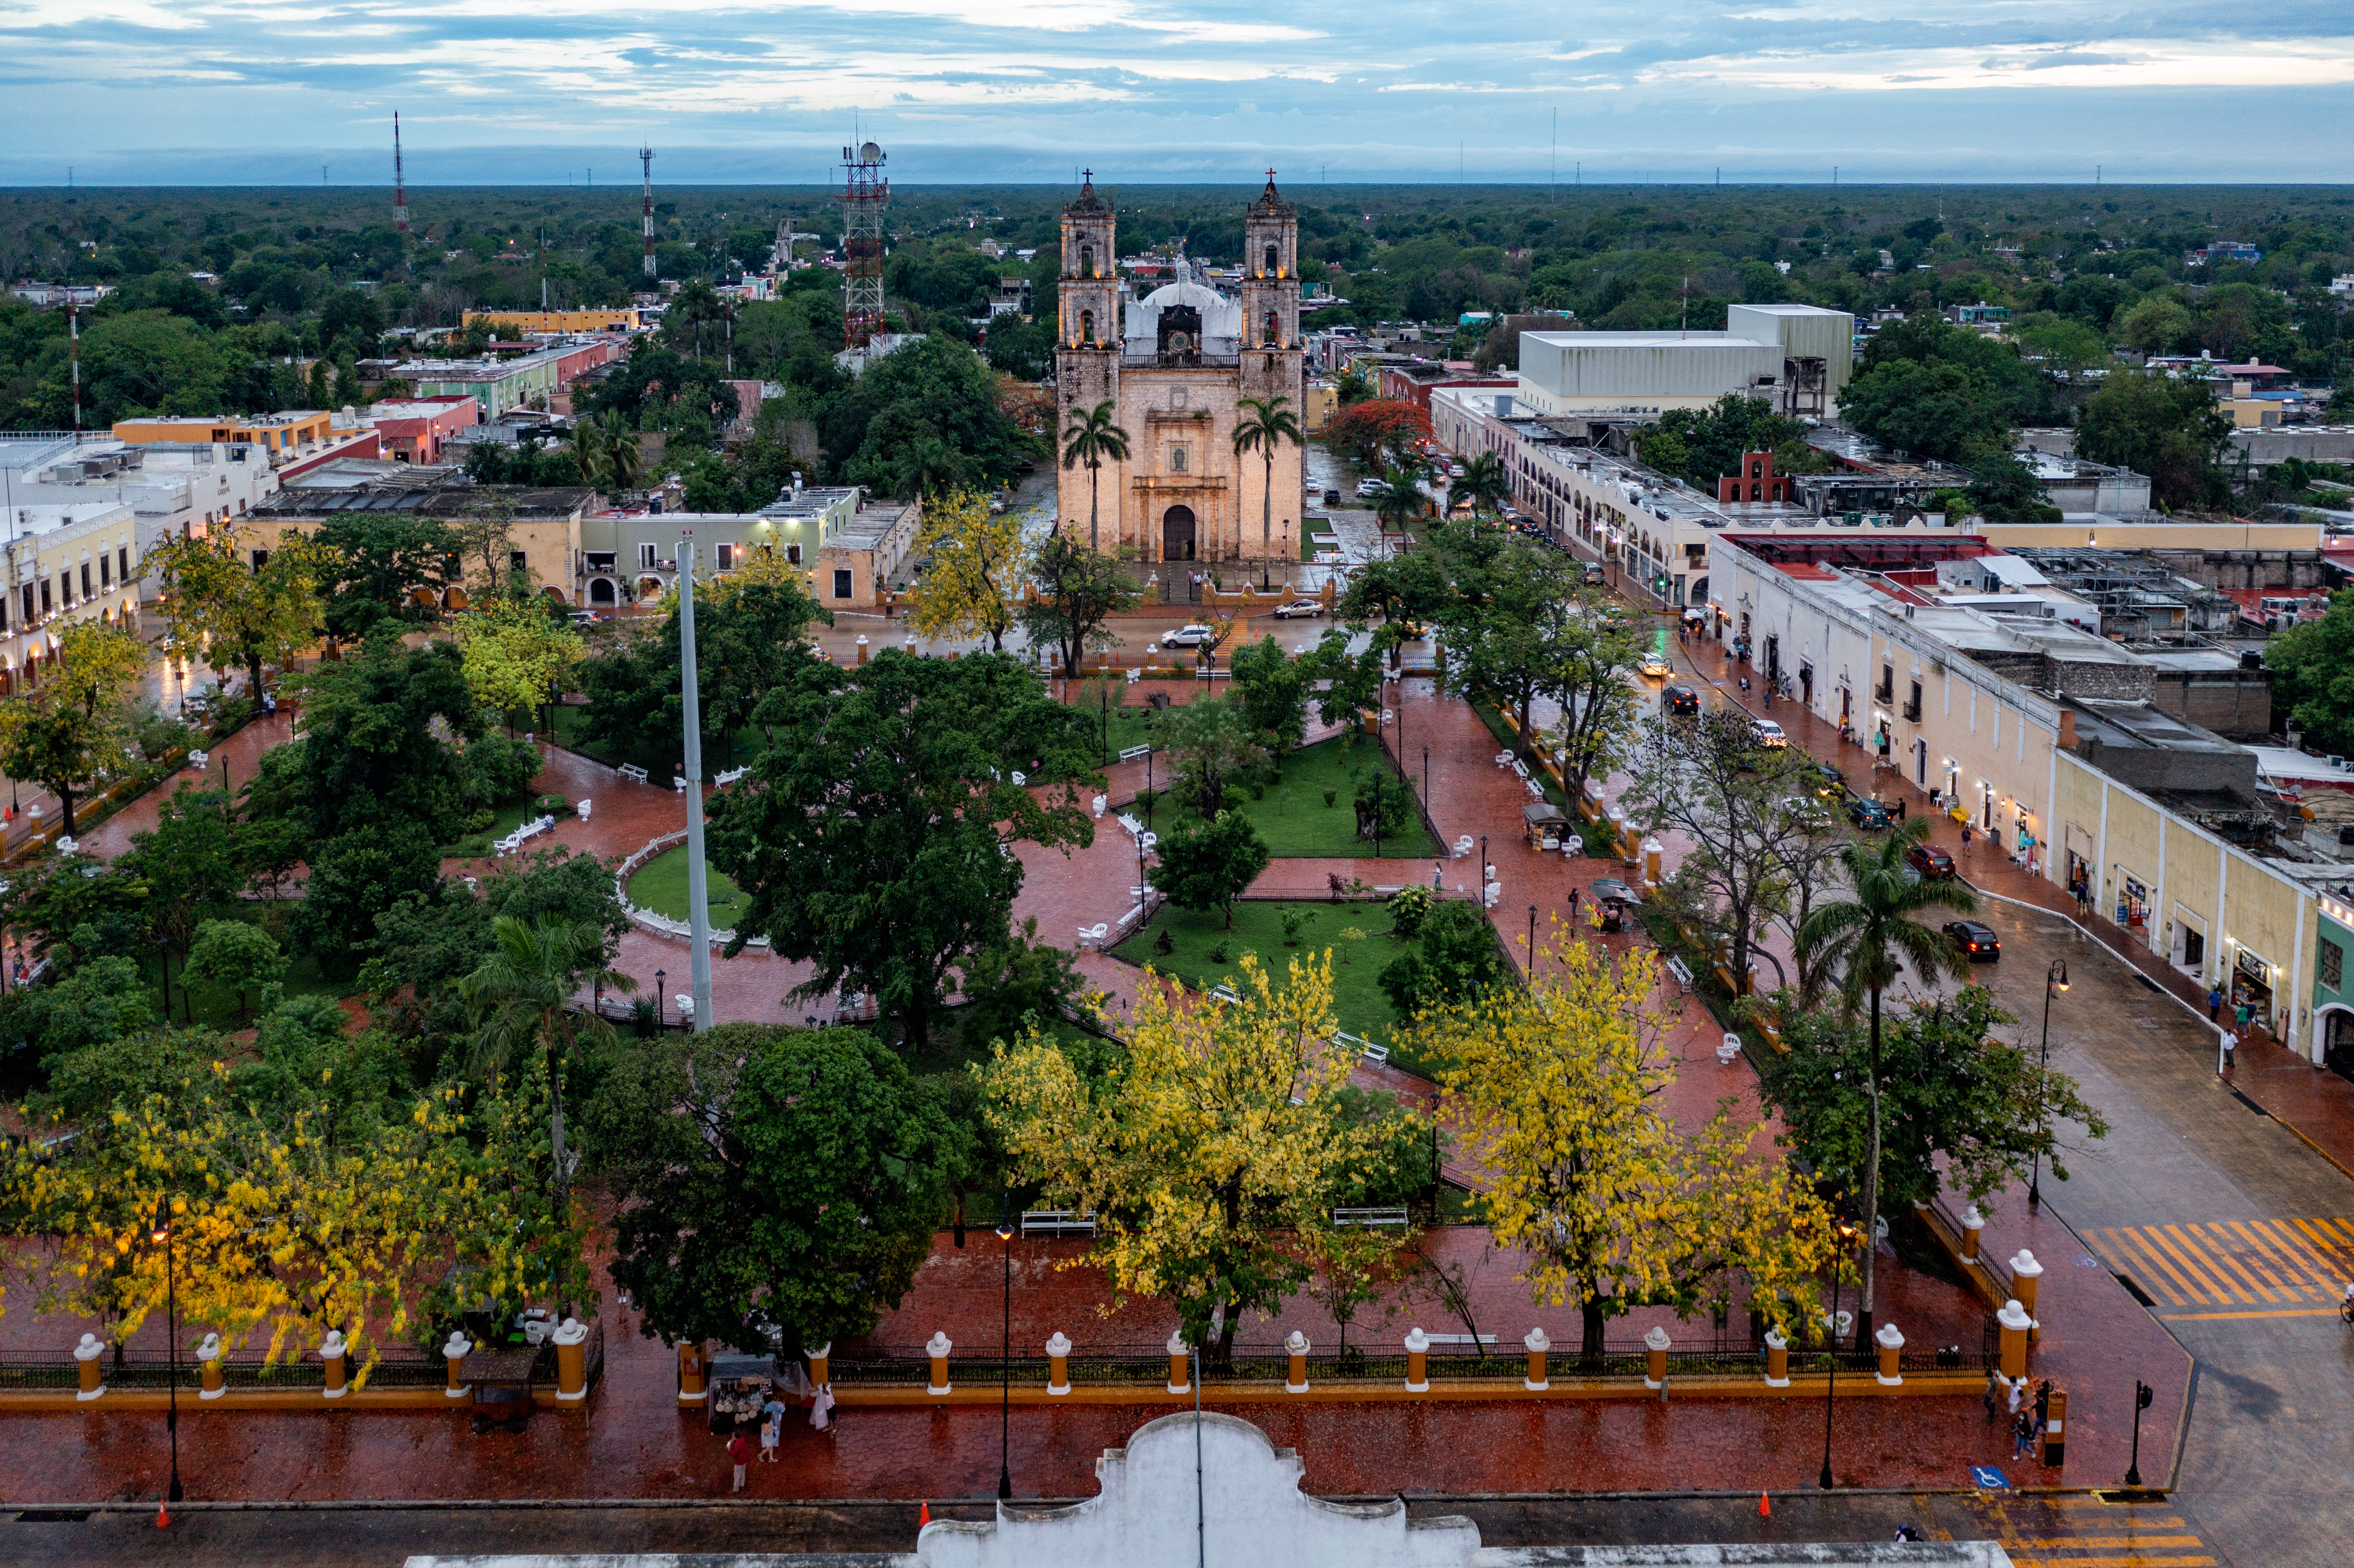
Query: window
x: 85, y: 579
x: 1086, y: 326
x: 1177, y: 459
x: 600, y: 560
x: 725, y: 555
x: 105, y: 572
x: 514, y: 560
x: 65, y: 589
x: 1086, y: 260
x: 1756, y: 468
x: 793, y: 554
x: 1273, y: 336
x: 1272, y: 264
x: 2333, y: 965
x: 261, y: 559
x: 29, y: 613
x: 645, y: 557
x: 840, y: 583
x: 1756, y: 493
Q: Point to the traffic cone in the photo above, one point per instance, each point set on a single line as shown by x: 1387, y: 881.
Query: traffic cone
x: 924, y: 1516
x: 1765, y: 1508
x: 163, y: 1516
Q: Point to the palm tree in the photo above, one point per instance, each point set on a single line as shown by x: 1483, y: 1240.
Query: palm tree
x: 927, y: 466
x: 1264, y: 424
x: 1403, y: 502
x: 1866, y: 937
x: 1093, y: 439
x: 522, y: 997
x: 607, y: 453
x: 1484, y: 483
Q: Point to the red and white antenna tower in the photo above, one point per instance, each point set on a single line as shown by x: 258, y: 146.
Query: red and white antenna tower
x: 399, y: 182
x: 646, y: 158
x: 865, y: 193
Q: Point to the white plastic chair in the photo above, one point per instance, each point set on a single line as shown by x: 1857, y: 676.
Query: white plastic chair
x: 1727, y: 1052
x: 1094, y: 935
x: 1462, y: 847
x: 1099, y: 803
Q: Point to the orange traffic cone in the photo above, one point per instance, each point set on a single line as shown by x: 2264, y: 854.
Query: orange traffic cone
x: 924, y: 1516
x: 163, y: 1516
x: 1765, y: 1508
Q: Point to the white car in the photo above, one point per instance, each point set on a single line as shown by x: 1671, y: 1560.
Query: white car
x: 1307, y: 607
x: 1455, y: 471
x: 1188, y: 637
x: 1655, y: 668
x: 1368, y: 489
x: 1770, y: 736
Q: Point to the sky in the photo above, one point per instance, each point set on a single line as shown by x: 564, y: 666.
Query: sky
x: 1611, y: 91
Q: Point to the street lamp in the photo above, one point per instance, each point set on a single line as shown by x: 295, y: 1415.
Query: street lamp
x: 160, y: 1234
x: 659, y: 977
x: 1425, y: 778
x: 1847, y: 1234
x: 1533, y: 939
x: 2142, y: 1394
x: 1005, y: 1373
x: 2054, y: 980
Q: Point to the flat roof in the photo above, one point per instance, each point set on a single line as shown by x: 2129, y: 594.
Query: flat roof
x: 2144, y: 725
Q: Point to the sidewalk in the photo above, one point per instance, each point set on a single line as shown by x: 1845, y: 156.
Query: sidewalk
x: 2312, y: 1102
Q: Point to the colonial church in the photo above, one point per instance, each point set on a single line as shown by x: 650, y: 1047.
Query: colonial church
x: 1175, y: 364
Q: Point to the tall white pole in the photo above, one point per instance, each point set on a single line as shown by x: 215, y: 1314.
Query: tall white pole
x: 698, y: 913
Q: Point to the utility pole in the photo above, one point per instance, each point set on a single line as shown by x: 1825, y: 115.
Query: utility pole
x: 73, y: 332
x: 698, y: 913
x: 646, y: 157
x: 399, y: 185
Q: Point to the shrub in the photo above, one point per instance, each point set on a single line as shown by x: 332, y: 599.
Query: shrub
x: 479, y: 822
x: 1331, y: 796
x: 1409, y: 906
x: 552, y: 806
x: 498, y: 769
x: 1293, y: 919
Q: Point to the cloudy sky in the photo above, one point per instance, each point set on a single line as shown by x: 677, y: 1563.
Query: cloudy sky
x: 266, y: 90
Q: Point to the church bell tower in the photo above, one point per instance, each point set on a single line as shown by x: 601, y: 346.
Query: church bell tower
x: 1087, y: 337
x: 1272, y: 365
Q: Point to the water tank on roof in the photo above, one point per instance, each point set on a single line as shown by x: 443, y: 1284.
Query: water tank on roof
x: 2252, y: 658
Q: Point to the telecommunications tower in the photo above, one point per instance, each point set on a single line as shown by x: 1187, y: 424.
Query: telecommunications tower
x: 865, y: 193
x: 399, y: 182
x: 646, y: 158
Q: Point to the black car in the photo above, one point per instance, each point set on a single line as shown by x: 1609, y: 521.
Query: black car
x: 1331, y: 498
x: 1976, y: 940
x: 1682, y: 700
x: 1868, y: 814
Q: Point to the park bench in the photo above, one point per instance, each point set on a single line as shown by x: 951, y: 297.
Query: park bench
x: 521, y: 835
x: 631, y: 770
x: 1135, y: 752
x: 1057, y: 1222
x: 1681, y: 970
x: 1362, y: 1047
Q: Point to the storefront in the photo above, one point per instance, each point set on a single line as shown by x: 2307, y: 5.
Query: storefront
x: 2132, y: 901
x: 2252, y: 988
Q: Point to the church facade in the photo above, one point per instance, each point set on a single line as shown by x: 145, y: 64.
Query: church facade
x: 1175, y: 366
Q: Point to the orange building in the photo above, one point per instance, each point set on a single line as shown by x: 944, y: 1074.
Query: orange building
x: 278, y: 434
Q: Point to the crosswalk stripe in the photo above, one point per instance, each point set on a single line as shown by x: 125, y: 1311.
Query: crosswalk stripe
x: 2133, y: 1561
x: 2112, y: 1542
x: 2281, y: 1264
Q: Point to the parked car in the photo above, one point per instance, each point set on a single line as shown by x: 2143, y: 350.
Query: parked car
x: 1682, y: 700
x: 1978, y: 943
x: 1830, y: 783
x: 1368, y: 489
x: 1807, y: 814
x: 1331, y: 498
x: 1930, y: 861
x: 1455, y: 471
x: 1592, y: 573
x: 1307, y: 607
x: 1769, y: 736
x: 1868, y: 814
x: 1188, y: 637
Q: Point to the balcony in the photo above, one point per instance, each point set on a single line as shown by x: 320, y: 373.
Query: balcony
x: 1884, y: 694
x: 1911, y: 713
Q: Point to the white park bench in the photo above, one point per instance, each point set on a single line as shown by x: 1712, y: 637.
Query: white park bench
x: 1362, y: 1047
x: 631, y: 770
x: 1462, y: 847
x: 733, y: 774
x: 1681, y: 970
x: 1135, y: 752
x: 1371, y: 1218
x: 1130, y: 823
x: 524, y: 834
x: 1225, y: 993
x: 1057, y: 1222
x: 1094, y: 935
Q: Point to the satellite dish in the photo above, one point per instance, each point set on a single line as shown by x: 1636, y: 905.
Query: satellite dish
x: 868, y: 152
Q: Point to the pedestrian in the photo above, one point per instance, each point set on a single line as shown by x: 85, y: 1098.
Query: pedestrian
x: 1573, y: 908
x: 1965, y: 836
x: 1438, y: 874
x: 738, y: 1452
x: 1900, y: 808
x: 1908, y: 1532
x: 2214, y: 1004
x: 2042, y: 1403
x: 769, y: 1440
x: 2022, y: 1434
x: 1993, y: 1394
x: 2230, y: 1046
x: 2245, y: 1015
x: 821, y: 1408
x: 2015, y: 1393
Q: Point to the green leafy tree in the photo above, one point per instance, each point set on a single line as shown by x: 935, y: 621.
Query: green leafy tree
x: 1273, y: 689
x: 1867, y: 936
x: 239, y: 957
x: 1485, y: 483
x: 752, y: 636
x: 2005, y: 490
x: 1934, y: 409
x: 50, y: 741
x: 377, y: 561
x: 925, y: 467
x: 95, y: 1004
x: 221, y: 606
x: 2313, y: 667
x: 1454, y: 958
x: 1207, y: 743
x: 2171, y: 431
x: 1211, y: 863
x: 1093, y: 439
x: 773, y: 1186
x: 1079, y: 591
x: 873, y: 837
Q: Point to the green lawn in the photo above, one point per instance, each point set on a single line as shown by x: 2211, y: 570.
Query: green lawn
x: 217, y: 1007
x: 661, y: 885
x: 1196, y: 939
x: 1292, y: 817
x: 506, y: 820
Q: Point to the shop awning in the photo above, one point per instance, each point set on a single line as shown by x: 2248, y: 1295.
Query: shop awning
x: 1543, y: 815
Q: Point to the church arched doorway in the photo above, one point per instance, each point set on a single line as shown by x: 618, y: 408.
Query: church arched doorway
x: 1177, y: 534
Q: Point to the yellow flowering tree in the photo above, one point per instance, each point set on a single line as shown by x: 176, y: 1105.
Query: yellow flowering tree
x: 978, y: 560
x: 516, y: 653
x: 220, y: 606
x: 1205, y: 1152
x: 1612, y: 1203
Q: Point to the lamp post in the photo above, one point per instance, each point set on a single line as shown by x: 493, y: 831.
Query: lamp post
x: 1847, y: 1233
x: 2142, y: 1394
x: 1005, y: 1372
x: 659, y: 1004
x: 1425, y: 778
x: 2054, y: 980
x: 162, y: 1235
x: 163, y: 962
x: 1533, y: 940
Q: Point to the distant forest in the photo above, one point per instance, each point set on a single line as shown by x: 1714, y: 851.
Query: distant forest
x: 307, y: 276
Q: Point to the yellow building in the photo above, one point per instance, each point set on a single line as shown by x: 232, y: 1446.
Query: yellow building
x: 521, y: 323
x: 278, y: 434
x: 68, y: 563
x: 1319, y: 402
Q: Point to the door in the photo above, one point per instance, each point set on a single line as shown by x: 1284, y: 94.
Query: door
x: 1921, y: 763
x: 1177, y: 534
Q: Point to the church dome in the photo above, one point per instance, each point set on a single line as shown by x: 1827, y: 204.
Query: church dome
x: 1221, y: 318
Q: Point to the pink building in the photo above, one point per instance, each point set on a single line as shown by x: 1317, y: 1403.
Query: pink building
x: 416, y: 430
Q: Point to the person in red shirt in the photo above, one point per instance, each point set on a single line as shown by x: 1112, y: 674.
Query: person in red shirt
x: 739, y: 1451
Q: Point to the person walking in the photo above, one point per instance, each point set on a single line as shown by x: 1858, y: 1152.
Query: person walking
x: 2022, y: 1434
x: 1993, y: 1396
x: 769, y: 1440
x: 1573, y: 908
x: 2231, y: 1049
x: 2214, y: 1004
x: 1437, y: 875
x: 1900, y: 808
x: 738, y: 1452
x: 2015, y: 1394
x: 2245, y: 1014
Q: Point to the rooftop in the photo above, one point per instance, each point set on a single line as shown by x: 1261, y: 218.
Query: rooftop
x: 527, y: 503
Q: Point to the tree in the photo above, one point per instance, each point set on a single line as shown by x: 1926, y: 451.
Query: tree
x: 1484, y: 485
x: 1510, y: 624
x: 1704, y: 445
x: 1204, y: 1157
x: 751, y: 635
x: 189, y: 862
x: 1272, y: 688
x: 1207, y: 742
x: 874, y: 834
x: 606, y: 452
x: 1350, y: 1265
x: 49, y: 739
x: 1957, y: 1105
x: 2171, y: 431
x: 98, y: 665
x: 380, y: 560
x: 1592, y: 672
x: 977, y: 559
x: 241, y: 957
x: 1262, y: 425
x: 773, y: 1186
x: 927, y: 468
x: 94, y: 1003
x: 221, y: 606
x: 1866, y: 936
x: 522, y: 996
x: 1079, y: 591
x: 1379, y: 429
x: 1936, y: 409
x: 516, y: 653
x: 1402, y: 503
x: 1708, y: 780
x: 1614, y: 1205
x: 935, y: 388
x: 1455, y: 959
x: 1094, y: 438
x: 485, y: 531
x: 2313, y: 664
x: 1211, y: 863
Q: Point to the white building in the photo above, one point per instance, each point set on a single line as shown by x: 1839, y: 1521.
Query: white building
x: 1799, y: 355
